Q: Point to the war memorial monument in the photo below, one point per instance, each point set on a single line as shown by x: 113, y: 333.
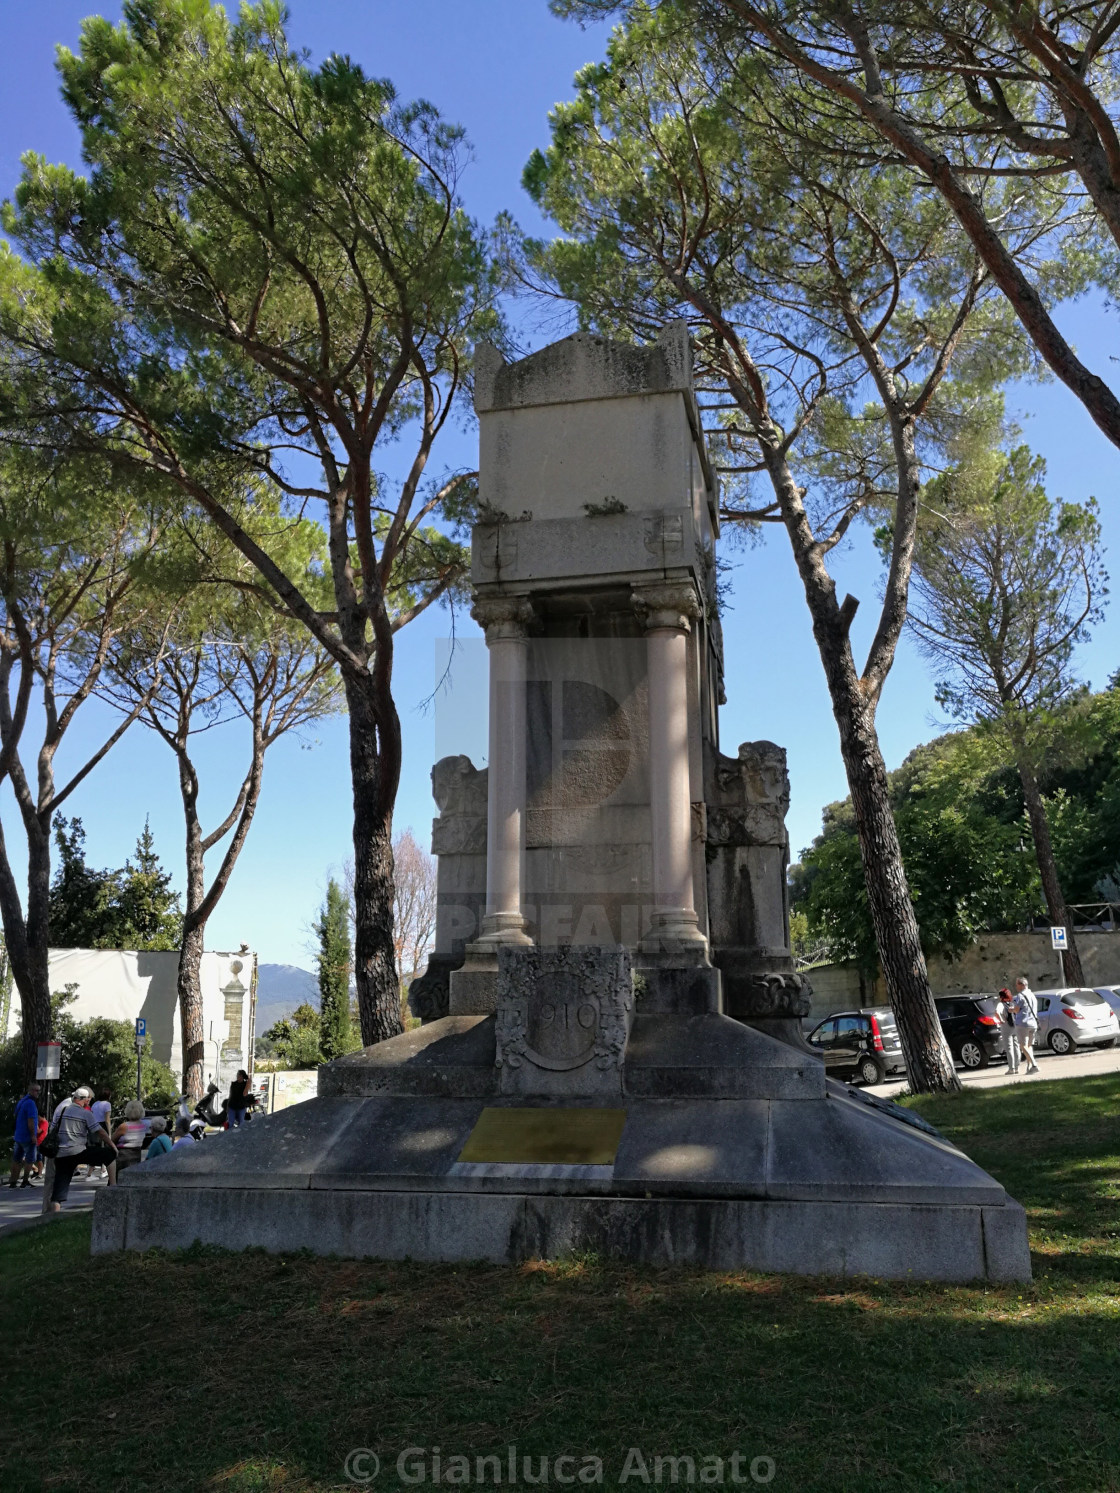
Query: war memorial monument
x: 610, y: 1057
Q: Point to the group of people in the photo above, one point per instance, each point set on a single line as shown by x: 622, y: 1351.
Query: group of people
x: 87, y: 1136
x: 1018, y: 1018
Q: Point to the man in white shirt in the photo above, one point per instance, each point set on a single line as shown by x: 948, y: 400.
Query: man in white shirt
x: 80, y: 1138
x: 1024, y: 1008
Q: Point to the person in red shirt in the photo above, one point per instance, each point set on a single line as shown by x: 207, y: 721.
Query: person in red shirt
x: 40, y: 1137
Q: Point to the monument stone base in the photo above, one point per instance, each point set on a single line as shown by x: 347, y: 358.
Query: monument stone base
x: 678, y: 1136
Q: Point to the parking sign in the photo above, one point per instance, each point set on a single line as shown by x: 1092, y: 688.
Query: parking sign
x: 1058, y: 939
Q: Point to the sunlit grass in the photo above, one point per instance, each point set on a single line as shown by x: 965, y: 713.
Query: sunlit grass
x: 252, y: 1372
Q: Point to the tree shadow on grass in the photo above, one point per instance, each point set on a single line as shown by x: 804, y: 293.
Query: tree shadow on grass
x: 1055, y: 1147
x: 844, y: 1384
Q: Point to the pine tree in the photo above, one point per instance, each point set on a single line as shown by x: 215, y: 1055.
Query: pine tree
x: 335, y: 962
x: 147, y: 909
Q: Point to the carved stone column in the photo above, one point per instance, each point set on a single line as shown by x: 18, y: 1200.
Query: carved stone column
x: 506, y: 620
x: 666, y: 611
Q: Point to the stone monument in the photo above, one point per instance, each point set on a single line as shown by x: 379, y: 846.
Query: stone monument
x: 610, y: 1056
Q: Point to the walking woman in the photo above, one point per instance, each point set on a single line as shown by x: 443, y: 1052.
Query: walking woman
x: 1025, y: 1007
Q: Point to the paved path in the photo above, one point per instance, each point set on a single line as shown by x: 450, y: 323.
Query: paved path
x: 1076, y: 1065
x: 25, y: 1205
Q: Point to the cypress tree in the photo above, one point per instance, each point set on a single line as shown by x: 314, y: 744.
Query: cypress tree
x: 333, y: 928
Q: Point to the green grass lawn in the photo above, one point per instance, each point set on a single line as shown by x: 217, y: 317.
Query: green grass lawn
x: 845, y: 1386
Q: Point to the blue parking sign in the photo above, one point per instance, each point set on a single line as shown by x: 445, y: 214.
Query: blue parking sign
x: 1058, y: 939
x: 141, y: 1027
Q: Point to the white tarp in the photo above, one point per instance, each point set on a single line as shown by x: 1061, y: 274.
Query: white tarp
x: 123, y: 985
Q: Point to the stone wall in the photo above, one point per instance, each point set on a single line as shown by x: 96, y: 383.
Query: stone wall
x: 993, y: 960
x: 996, y: 958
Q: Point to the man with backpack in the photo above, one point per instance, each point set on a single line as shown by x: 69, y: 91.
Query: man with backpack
x: 1025, y: 1011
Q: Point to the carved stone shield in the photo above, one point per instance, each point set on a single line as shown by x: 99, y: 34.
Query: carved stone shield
x: 561, y: 1011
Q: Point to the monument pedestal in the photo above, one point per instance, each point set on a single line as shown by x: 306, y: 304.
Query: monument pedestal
x: 670, y: 1137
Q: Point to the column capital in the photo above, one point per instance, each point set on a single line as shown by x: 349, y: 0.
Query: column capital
x: 503, y: 617
x: 671, y: 604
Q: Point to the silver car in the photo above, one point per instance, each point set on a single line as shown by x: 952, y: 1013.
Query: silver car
x: 1075, y: 1018
x: 1111, y: 994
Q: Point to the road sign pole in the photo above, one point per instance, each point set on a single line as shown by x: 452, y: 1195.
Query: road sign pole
x: 1059, y: 942
x: 141, y: 1035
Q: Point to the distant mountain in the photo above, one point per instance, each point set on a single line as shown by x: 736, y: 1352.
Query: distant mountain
x: 280, y: 989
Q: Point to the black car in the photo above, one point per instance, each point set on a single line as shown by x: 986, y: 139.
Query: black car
x: 972, y: 1029
x: 861, y: 1045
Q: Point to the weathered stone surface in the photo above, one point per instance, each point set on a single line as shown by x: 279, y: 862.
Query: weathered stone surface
x: 563, y: 1019
x: 459, y: 843
x: 429, y: 995
x: 1007, y: 1254
x: 840, y: 1239
x: 474, y: 986
x: 584, y: 367
x: 675, y: 990
x: 751, y: 797
x: 831, y: 1185
x: 459, y: 788
x: 751, y: 991
x: 717, y: 1058
x: 453, y: 1056
x: 841, y: 1151
x: 609, y: 545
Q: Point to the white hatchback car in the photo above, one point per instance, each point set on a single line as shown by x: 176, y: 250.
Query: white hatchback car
x: 1075, y: 1018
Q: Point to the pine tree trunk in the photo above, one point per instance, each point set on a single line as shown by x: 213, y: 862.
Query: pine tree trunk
x: 189, y: 979
x: 375, y: 769
x: 1048, y: 869
x: 28, y: 940
x: 928, y: 1060
x: 189, y: 987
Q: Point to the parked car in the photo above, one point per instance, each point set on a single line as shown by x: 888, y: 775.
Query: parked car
x: 971, y: 1028
x: 1111, y: 994
x: 1073, y: 1018
x: 860, y: 1045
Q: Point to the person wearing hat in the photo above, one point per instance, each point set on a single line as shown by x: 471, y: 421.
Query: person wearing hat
x: 80, y: 1138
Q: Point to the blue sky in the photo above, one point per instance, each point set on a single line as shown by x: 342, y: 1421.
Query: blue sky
x: 497, y: 66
